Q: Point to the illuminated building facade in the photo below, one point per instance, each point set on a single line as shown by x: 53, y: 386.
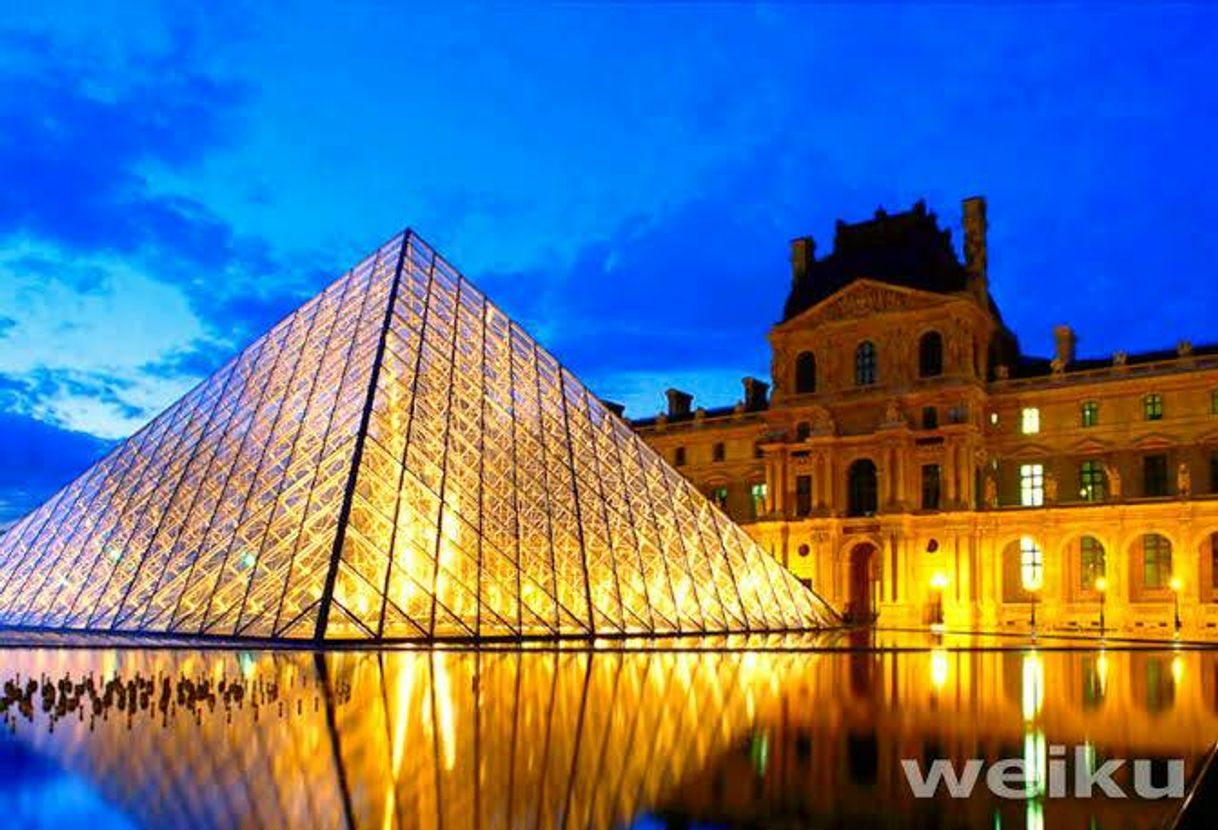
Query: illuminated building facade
x: 395, y: 460
x: 913, y: 464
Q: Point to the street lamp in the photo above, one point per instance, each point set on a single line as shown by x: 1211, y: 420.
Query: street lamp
x: 1101, y: 585
x: 938, y: 582
x: 1176, y: 585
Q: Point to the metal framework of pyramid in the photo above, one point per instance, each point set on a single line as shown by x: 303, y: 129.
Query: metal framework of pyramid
x: 396, y: 460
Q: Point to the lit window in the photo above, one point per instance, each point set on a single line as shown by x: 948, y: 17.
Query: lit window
x: 1031, y: 564
x: 1091, y: 481
x: 1032, y: 485
x: 994, y: 419
x: 1091, y: 413
x: 1152, y: 407
x: 864, y: 364
x: 719, y: 497
x: 718, y: 452
x: 1030, y: 420
x: 757, y: 496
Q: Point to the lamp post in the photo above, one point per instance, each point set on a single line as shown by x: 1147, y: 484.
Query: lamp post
x: 1032, y: 589
x: 1176, y: 585
x: 1101, y: 585
x: 937, y: 583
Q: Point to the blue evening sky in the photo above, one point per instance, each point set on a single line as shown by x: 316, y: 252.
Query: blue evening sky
x: 623, y: 178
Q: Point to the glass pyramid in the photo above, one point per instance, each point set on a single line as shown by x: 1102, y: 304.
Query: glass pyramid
x: 395, y: 460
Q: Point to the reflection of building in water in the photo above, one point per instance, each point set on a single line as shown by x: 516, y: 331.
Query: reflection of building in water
x: 913, y: 462
x: 808, y: 761
x: 410, y: 739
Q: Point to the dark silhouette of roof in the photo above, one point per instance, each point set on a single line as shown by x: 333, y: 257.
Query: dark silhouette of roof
x: 907, y: 249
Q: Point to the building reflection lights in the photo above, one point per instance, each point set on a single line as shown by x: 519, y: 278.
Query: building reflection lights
x: 599, y: 738
x: 1033, y: 685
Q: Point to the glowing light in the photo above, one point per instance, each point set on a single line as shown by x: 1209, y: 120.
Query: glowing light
x: 248, y: 559
x: 938, y: 580
x: 1033, y: 686
x: 1176, y: 584
x: 1177, y: 669
x: 938, y: 668
x: 1101, y: 584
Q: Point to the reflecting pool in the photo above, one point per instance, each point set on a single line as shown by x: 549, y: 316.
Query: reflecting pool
x: 763, y: 733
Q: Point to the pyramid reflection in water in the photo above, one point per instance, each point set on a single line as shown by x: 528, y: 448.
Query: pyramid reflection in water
x: 404, y: 738
x: 395, y: 460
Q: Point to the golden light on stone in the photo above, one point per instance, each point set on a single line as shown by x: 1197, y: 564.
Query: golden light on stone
x: 395, y: 460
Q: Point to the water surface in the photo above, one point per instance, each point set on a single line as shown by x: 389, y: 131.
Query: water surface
x: 792, y: 733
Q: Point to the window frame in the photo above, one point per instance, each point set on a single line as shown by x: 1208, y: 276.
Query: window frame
x: 803, y: 495
x: 1152, y: 406
x: 932, y: 487
x: 1092, y: 483
x: 757, y: 497
x: 1156, y: 560
x: 1032, y: 485
x: 1031, y: 564
x: 805, y: 373
x: 865, y: 360
x: 1090, y: 414
x: 718, y: 452
x: 1163, y: 487
x: 930, y: 355
x: 1029, y: 420
x: 1092, y: 562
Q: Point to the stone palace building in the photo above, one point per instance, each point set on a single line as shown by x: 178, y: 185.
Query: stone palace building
x: 912, y: 464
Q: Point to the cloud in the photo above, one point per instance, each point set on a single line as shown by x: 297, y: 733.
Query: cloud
x: 115, y: 294
x: 37, y: 459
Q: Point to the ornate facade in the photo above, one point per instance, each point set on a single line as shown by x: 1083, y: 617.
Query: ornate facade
x: 912, y: 464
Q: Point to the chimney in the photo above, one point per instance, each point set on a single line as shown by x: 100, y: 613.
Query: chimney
x: 803, y: 254
x: 618, y: 409
x: 678, y: 402
x: 975, y: 254
x: 755, y: 394
x: 1064, y: 338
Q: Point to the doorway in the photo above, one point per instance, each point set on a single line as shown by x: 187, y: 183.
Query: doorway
x: 864, y: 580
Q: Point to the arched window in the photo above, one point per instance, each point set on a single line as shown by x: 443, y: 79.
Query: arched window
x: 805, y: 373
x: 930, y: 355
x: 864, y: 364
x: 1091, y: 564
x: 1022, y: 570
x: 803, y: 431
x: 861, y: 487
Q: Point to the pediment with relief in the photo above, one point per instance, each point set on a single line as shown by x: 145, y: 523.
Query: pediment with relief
x: 866, y: 298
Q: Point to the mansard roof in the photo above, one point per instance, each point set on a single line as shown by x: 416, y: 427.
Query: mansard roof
x: 908, y: 249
